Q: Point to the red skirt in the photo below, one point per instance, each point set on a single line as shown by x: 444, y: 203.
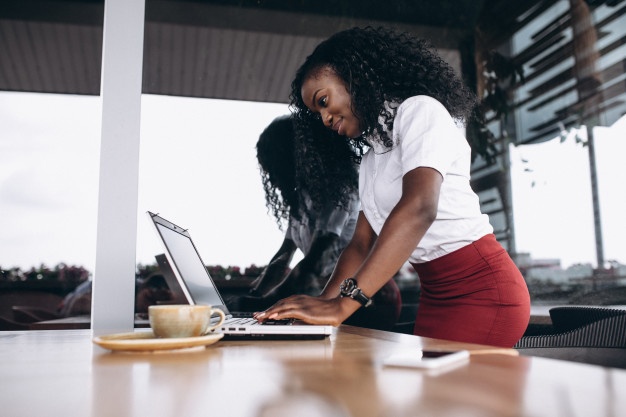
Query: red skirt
x: 475, y: 294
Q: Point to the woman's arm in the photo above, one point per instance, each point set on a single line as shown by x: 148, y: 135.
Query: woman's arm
x: 402, y: 231
x: 329, y: 308
x: 274, y: 272
x: 351, y: 257
x: 306, y: 275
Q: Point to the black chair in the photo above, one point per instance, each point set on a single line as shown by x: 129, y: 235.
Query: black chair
x: 594, y: 335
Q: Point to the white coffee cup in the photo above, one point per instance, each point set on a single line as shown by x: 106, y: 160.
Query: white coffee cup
x: 183, y: 320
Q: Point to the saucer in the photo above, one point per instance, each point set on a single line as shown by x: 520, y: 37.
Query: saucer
x: 147, y: 341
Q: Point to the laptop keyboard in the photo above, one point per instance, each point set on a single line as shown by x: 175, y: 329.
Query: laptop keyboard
x: 250, y: 321
x: 241, y: 321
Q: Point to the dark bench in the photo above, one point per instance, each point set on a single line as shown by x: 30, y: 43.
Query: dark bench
x: 587, y: 334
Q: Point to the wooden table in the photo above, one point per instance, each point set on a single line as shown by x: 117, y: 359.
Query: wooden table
x: 62, y: 373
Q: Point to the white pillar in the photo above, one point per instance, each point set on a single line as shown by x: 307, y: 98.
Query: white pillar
x: 113, y: 299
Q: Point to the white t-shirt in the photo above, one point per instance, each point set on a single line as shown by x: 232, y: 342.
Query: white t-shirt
x: 425, y: 135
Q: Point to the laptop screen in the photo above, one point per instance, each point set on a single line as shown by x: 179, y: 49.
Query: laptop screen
x: 185, y: 263
x: 184, y: 258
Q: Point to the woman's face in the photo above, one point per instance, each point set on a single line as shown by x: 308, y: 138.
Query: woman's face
x: 324, y: 93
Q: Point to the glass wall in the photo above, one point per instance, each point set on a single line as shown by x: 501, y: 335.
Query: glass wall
x: 552, y: 74
x: 49, y: 154
x: 559, y: 145
x: 198, y: 169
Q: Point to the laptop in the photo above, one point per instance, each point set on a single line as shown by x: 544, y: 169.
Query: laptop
x: 195, y: 286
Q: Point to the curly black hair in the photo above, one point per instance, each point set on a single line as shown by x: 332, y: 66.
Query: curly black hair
x: 275, y: 155
x: 378, y: 66
x: 287, y: 175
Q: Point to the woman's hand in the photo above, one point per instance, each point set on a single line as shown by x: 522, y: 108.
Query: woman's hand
x: 312, y: 310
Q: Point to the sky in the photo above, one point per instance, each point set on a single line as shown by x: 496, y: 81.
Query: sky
x: 198, y: 169
x: 552, y: 203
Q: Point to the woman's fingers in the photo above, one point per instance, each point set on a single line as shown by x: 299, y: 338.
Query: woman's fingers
x: 278, y: 310
x: 311, y: 310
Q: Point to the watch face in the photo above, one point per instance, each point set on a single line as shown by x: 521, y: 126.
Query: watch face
x: 347, y: 286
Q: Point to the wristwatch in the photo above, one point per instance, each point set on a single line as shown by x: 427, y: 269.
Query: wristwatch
x: 350, y: 289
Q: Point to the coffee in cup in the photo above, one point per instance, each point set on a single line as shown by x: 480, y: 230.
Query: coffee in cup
x: 183, y: 320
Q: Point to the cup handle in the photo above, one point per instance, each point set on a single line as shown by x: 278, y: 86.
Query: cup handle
x: 219, y: 323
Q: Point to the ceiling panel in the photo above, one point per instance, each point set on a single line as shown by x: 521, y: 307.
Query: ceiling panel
x: 192, y: 48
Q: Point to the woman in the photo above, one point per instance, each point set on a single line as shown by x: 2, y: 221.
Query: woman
x: 320, y: 231
x: 319, y: 227
x: 390, y: 92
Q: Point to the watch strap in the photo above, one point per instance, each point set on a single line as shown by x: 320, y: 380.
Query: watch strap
x: 361, y: 298
x: 349, y: 288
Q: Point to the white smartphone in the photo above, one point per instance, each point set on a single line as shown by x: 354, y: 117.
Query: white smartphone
x: 429, y: 359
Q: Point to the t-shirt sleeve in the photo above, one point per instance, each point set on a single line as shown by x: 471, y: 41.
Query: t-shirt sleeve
x: 427, y: 135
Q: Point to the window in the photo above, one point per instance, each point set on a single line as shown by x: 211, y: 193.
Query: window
x: 216, y: 74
